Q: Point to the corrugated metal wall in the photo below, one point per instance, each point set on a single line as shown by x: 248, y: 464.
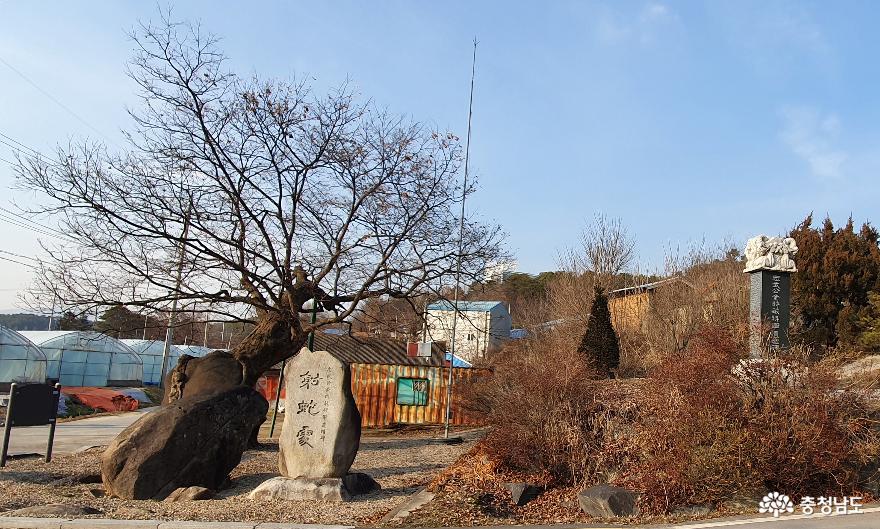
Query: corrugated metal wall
x: 375, y: 391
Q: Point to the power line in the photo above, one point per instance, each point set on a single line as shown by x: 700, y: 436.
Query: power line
x: 19, y: 255
x: 51, y: 97
x: 13, y: 140
x: 16, y: 262
x: 29, y: 221
x: 21, y: 224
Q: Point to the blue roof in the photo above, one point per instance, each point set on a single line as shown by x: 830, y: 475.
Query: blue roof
x: 458, y: 362
x: 464, y: 306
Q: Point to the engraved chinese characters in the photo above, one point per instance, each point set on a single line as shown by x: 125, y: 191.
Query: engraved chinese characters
x: 322, y: 425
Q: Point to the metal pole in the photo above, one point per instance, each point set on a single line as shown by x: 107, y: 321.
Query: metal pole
x: 467, y: 151
x: 7, y: 428
x: 169, y: 332
x: 52, y: 314
x: 284, y: 363
x: 56, y: 393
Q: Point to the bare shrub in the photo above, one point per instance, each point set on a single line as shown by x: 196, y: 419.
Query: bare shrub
x: 705, y: 288
x: 704, y: 434
x: 548, y: 414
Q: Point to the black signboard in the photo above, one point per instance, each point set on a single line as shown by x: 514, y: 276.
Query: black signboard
x: 770, y: 310
x: 31, y: 405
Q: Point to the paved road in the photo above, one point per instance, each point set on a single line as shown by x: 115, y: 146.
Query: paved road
x: 70, y: 436
x: 870, y: 519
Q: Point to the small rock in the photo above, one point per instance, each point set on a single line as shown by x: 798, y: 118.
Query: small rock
x: 746, y: 499
x: 298, y: 489
x: 54, y: 509
x: 190, y: 494
x: 607, y: 501
x: 97, y: 493
x: 522, y: 493
x: 702, y: 509
x: 357, y: 483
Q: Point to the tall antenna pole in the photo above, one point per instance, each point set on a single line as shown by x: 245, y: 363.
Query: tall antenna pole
x: 467, y: 153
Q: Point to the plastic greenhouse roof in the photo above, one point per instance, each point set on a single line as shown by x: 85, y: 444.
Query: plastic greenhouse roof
x: 11, y: 337
x: 150, y: 347
x: 42, y: 339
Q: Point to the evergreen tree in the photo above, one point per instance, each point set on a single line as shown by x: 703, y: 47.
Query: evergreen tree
x: 120, y: 322
x: 600, y: 344
x: 71, y: 322
x: 837, y: 270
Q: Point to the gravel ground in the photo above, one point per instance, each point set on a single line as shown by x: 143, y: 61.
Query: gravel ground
x: 401, y: 463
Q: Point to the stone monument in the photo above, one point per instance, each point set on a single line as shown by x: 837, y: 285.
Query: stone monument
x: 320, y: 434
x: 770, y: 265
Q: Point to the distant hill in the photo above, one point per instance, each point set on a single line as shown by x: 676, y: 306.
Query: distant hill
x: 25, y: 322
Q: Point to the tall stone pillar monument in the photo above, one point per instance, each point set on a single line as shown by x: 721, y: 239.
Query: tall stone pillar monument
x: 769, y: 265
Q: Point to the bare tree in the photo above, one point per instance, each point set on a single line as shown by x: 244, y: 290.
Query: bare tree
x: 265, y: 194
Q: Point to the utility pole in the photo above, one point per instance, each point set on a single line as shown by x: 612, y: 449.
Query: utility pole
x: 467, y: 152
x: 52, y: 314
x: 169, y: 332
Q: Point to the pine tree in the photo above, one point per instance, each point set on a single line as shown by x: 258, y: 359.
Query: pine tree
x: 71, y: 322
x: 600, y: 344
x: 837, y: 269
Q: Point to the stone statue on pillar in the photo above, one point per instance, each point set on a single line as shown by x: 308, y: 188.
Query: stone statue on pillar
x: 770, y: 265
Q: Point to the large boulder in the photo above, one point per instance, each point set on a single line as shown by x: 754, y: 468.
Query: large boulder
x: 322, y: 425
x: 194, y: 441
x: 215, y: 372
x: 607, y: 501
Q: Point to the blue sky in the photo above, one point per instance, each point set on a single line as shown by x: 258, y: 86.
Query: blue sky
x: 689, y: 121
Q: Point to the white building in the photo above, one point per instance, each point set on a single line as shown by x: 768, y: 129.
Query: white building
x: 482, y: 326
x: 498, y: 270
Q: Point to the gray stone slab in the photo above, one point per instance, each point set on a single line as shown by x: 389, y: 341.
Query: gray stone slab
x: 110, y: 524
x: 207, y: 525
x: 20, y: 522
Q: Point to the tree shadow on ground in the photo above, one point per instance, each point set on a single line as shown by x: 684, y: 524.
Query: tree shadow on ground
x: 383, y: 472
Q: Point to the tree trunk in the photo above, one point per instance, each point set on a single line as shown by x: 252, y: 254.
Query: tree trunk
x: 274, y: 338
x: 270, y: 342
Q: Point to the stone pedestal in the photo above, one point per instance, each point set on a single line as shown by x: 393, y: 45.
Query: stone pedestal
x: 321, y: 489
x: 769, y: 311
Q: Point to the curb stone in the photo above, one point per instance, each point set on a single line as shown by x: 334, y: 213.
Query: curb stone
x: 414, y: 502
x: 21, y: 522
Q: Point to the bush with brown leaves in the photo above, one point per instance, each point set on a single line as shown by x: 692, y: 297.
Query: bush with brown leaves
x: 711, y: 425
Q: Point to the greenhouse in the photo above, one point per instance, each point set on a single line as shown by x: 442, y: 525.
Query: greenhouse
x: 20, y: 360
x: 87, y: 358
x: 151, y: 352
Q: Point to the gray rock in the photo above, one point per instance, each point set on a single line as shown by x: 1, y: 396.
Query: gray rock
x: 298, y: 489
x: 357, y: 483
x: 97, y: 493
x: 54, y: 509
x: 322, y: 425
x: 522, y: 493
x: 702, y: 509
x: 607, y: 501
x: 193, y: 441
x: 190, y: 494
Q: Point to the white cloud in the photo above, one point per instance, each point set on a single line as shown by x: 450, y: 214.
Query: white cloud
x: 812, y: 137
x: 643, y: 27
